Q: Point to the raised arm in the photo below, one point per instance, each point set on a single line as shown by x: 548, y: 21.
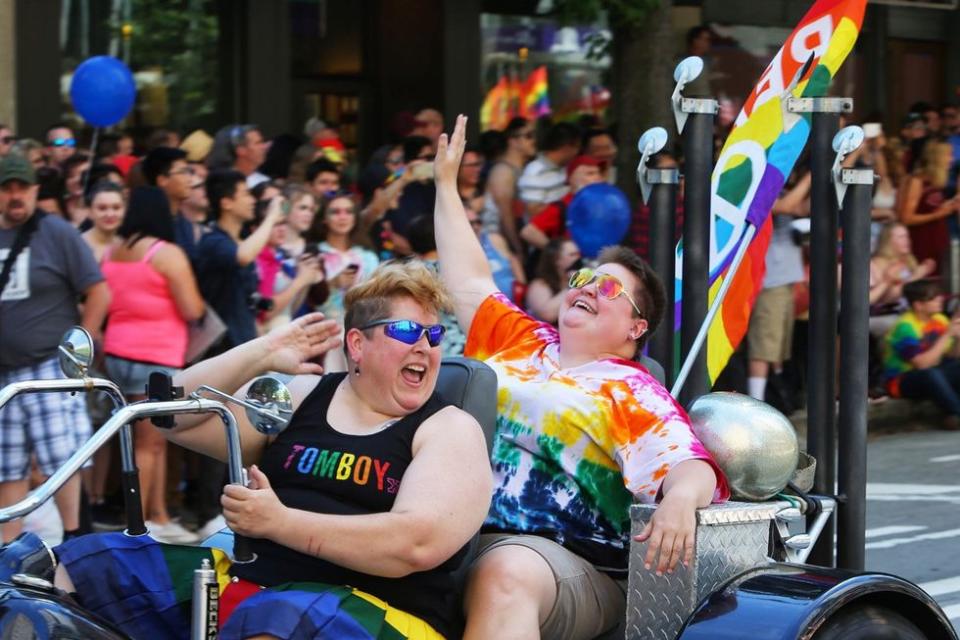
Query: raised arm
x: 463, y: 264
x: 291, y: 348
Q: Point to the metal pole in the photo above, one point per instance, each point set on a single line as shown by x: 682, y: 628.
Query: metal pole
x: 698, y: 164
x: 697, y: 347
x: 663, y: 224
x: 854, y: 353
x: 821, y: 398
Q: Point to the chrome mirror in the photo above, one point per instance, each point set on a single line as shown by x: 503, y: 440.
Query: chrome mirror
x: 76, y: 353
x: 269, y: 405
x: 651, y: 142
x: 845, y: 142
x: 687, y: 71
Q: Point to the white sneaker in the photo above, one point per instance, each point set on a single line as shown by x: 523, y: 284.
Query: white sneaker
x: 171, y: 532
x: 212, y: 527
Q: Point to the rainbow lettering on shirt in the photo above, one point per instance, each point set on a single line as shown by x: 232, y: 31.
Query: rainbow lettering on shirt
x: 341, y: 465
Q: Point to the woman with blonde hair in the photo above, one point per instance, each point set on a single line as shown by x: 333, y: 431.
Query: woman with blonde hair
x: 924, y: 206
x: 893, y: 265
x: 303, y: 210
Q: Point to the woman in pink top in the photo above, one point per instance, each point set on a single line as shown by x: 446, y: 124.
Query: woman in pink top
x: 154, y: 296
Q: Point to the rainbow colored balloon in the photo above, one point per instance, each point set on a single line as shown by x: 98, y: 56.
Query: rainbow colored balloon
x: 758, y: 156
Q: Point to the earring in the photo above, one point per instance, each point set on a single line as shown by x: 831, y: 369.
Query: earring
x: 356, y: 370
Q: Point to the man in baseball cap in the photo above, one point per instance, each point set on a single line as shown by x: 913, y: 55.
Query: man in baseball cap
x: 551, y: 221
x: 46, y: 270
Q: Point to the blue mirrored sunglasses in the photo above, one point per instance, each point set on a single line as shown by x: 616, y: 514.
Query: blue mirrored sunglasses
x: 64, y: 142
x: 408, y: 331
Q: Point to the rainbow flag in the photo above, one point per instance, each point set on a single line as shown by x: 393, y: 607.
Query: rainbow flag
x: 495, y: 110
x: 535, y: 98
x: 758, y: 156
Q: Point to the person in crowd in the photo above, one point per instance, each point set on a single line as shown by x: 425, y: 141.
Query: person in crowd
x: 50, y: 191
x: 7, y: 140
x: 305, y: 155
x: 61, y: 144
x: 921, y: 352
x: 33, y: 151
x: 931, y: 117
x: 551, y: 222
x: 241, y: 148
x: 500, y: 204
x: 196, y: 207
x: 392, y: 532
x: 107, y: 204
x: 599, y: 143
x: 469, y: 184
x: 506, y: 268
x: 168, y: 169
x: 544, y: 179
x: 323, y: 177
x: 46, y: 270
x: 429, y: 124
x: 74, y: 202
x: 559, y: 523
x: 303, y: 211
x: 893, y: 265
x: 418, y: 192
x: 346, y: 261
x: 770, y: 333
x: 266, y: 191
x: 283, y: 279
x: 559, y: 260
x: 924, y: 205
x: 225, y: 259
x: 700, y: 43
x: 155, y: 295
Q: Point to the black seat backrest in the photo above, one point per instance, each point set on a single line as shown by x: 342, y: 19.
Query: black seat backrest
x: 654, y: 368
x: 472, y: 386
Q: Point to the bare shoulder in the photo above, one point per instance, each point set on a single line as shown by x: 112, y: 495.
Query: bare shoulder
x: 301, y: 386
x: 453, y: 427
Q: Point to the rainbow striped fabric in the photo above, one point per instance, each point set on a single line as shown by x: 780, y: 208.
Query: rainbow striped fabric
x: 756, y: 159
x: 535, y: 101
x: 145, y: 587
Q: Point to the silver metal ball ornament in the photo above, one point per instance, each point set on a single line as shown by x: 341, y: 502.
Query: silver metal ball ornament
x: 754, y: 444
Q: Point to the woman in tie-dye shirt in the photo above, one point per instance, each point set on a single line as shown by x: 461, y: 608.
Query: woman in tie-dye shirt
x: 582, y: 431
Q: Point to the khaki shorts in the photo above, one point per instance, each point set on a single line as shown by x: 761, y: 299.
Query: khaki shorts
x: 771, y: 325
x: 589, y: 602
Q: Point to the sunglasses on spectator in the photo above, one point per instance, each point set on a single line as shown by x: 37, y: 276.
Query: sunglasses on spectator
x: 608, y: 286
x: 408, y: 331
x: 63, y: 142
x: 183, y: 171
x: 529, y: 135
x: 8, y: 139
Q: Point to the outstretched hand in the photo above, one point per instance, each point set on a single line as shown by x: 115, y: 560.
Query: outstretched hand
x: 295, y: 346
x: 450, y: 152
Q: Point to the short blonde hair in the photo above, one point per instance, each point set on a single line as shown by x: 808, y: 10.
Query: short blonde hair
x: 370, y: 300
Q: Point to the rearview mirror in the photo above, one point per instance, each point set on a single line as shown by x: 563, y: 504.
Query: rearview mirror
x: 75, y: 353
x: 269, y: 405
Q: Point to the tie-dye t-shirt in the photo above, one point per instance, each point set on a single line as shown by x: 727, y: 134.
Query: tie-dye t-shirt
x: 575, y: 446
x: 907, y: 339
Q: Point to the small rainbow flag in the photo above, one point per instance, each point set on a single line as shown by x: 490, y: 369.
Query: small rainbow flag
x: 535, y: 98
x: 758, y: 156
x: 495, y: 110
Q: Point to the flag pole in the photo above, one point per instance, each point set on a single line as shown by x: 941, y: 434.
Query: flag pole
x: 714, y: 308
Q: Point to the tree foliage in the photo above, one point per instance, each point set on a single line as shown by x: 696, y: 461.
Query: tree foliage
x: 180, y: 37
x: 621, y: 13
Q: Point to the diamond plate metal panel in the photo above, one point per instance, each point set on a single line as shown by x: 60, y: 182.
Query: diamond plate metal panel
x: 730, y: 539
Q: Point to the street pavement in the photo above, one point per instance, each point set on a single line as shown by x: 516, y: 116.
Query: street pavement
x: 913, y: 511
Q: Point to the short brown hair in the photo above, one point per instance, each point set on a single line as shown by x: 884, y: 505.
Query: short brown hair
x: 649, y: 292
x: 370, y: 300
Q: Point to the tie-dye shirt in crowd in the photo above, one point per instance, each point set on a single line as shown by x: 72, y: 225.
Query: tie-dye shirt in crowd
x: 575, y: 446
x: 907, y: 339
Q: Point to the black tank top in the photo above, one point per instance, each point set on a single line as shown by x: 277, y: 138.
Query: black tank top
x: 313, y: 467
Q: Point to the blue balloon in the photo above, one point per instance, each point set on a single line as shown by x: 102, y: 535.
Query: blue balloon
x: 103, y: 91
x: 598, y: 216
